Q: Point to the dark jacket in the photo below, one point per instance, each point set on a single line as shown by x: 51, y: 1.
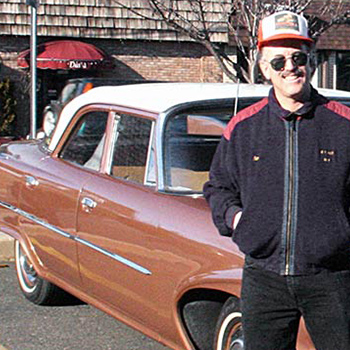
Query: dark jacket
x: 289, y: 174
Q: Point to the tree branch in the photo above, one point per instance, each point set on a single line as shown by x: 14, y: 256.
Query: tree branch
x: 241, y: 18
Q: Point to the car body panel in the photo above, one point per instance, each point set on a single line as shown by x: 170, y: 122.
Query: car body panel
x: 164, y: 254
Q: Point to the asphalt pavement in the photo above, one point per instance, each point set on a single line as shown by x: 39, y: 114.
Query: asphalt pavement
x: 25, y: 326
x: 6, y: 249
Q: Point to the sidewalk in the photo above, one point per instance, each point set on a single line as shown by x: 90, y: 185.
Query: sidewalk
x: 6, y: 248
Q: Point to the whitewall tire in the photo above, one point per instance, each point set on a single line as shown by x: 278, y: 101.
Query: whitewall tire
x: 229, y: 335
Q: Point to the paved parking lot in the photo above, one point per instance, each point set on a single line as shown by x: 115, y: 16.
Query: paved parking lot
x: 25, y: 326
x: 6, y: 248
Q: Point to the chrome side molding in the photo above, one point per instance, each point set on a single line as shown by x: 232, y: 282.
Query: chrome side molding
x: 84, y: 242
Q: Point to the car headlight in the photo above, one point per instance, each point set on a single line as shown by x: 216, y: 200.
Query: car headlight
x: 49, y: 122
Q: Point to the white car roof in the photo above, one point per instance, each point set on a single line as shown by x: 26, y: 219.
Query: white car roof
x: 160, y: 97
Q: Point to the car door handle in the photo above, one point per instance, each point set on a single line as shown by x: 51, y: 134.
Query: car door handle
x: 31, y: 181
x: 88, y: 203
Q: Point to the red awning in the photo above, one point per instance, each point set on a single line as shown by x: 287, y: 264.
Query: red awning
x: 65, y: 54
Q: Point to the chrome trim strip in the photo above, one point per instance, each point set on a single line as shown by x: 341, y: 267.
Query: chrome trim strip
x: 151, y: 156
x: 160, y: 130
x: 65, y: 234
x: 42, y: 223
x: 5, y: 156
x: 114, y: 256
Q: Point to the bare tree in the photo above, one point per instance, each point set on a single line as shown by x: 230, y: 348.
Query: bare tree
x: 240, y: 20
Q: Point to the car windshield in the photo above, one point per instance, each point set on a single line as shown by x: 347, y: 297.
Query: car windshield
x: 190, y: 140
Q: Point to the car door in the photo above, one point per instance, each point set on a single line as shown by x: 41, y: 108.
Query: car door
x: 117, y: 224
x: 50, y: 195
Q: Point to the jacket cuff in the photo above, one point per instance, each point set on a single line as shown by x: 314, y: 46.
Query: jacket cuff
x: 230, y: 214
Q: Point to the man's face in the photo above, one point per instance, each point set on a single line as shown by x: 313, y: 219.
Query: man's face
x: 292, y: 81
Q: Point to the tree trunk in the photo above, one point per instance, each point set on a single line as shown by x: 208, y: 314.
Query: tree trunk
x: 219, y: 59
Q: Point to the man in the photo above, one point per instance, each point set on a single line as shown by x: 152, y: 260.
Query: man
x: 280, y: 186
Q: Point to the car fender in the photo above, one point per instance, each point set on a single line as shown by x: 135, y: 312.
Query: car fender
x: 217, y: 284
x: 27, y: 247
x: 227, y: 281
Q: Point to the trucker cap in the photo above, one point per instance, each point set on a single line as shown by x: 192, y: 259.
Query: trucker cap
x: 283, y: 25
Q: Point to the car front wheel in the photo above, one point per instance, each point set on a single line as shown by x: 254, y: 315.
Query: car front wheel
x: 229, y: 335
x: 36, y: 289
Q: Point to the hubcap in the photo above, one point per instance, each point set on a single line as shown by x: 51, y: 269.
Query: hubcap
x: 237, y: 345
x: 236, y: 342
x: 235, y: 338
x: 26, y: 270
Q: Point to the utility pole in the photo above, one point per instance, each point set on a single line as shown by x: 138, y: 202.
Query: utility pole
x: 33, y: 66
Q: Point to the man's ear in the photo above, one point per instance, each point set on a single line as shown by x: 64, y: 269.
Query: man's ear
x: 265, y: 69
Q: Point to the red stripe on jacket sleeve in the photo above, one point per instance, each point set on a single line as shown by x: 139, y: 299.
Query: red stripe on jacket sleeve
x: 242, y: 115
x: 339, y: 108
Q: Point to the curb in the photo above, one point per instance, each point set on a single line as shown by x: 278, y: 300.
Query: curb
x: 6, y: 248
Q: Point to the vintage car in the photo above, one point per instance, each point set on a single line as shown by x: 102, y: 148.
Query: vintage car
x: 110, y: 210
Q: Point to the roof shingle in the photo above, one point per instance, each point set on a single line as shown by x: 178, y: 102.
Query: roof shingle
x: 100, y: 18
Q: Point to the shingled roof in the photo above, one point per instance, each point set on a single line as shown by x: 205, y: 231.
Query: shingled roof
x: 100, y: 19
x: 106, y: 19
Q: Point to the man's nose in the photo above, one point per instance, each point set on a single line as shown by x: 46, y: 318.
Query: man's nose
x: 289, y: 64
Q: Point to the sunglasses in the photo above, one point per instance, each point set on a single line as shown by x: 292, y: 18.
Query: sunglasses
x: 298, y: 58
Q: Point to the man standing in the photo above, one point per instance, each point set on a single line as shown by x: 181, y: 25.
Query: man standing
x: 280, y: 186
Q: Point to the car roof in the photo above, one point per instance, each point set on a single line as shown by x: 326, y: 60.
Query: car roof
x: 160, y: 97
x: 99, y: 81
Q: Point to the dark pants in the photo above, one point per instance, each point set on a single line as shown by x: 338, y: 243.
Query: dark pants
x: 272, y: 306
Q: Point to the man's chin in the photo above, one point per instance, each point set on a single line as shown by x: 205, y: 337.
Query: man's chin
x: 300, y: 92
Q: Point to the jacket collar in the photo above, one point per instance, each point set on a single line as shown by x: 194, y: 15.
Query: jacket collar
x: 304, y: 112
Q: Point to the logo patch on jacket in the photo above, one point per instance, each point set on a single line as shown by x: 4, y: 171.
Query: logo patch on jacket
x: 327, y: 155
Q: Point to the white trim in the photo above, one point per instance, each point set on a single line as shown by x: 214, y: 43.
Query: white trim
x: 223, y: 327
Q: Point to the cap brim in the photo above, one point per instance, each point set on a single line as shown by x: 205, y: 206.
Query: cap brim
x: 266, y: 42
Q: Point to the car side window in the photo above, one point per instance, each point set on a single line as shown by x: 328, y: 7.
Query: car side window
x: 85, y: 144
x: 131, y: 153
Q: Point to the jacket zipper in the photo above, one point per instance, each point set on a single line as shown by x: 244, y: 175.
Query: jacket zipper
x: 290, y: 194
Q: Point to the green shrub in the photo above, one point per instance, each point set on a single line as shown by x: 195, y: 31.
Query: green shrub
x: 7, y: 108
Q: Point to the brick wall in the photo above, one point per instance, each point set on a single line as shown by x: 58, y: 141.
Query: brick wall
x: 187, y: 69
x: 170, y: 61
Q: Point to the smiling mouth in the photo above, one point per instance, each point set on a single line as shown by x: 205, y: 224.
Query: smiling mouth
x: 292, y: 77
